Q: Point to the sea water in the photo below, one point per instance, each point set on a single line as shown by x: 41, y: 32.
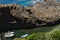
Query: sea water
x: 20, y: 2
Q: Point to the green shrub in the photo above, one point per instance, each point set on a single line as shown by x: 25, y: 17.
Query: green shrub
x: 53, y: 35
x: 36, y: 36
x: 19, y: 38
x: 30, y: 37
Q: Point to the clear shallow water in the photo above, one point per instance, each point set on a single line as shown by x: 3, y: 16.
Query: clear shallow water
x: 20, y: 2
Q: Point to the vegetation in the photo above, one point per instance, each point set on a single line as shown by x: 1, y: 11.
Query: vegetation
x: 37, y: 36
x: 31, y: 37
x: 19, y: 38
x: 34, y: 36
x: 53, y: 35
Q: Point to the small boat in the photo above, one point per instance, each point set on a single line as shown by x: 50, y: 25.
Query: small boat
x: 25, y: 35
x: 9, y: 34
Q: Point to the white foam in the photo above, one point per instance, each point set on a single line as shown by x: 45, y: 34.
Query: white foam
x: 34, y: 1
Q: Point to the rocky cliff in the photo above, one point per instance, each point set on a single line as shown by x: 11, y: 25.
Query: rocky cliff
x: 39, y: 14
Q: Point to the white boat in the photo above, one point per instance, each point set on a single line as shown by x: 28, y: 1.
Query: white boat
x: 9, y: 34
x: 25, y: 35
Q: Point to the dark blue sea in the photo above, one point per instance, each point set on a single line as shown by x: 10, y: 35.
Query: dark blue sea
x: 19, y: 2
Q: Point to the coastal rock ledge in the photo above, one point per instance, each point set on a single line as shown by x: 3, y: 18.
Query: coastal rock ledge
x: 40, y: 14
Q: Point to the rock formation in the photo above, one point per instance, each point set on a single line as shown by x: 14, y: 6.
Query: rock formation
x: 46, y: 12
x: 39, y: 14
x: 13, y: 16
